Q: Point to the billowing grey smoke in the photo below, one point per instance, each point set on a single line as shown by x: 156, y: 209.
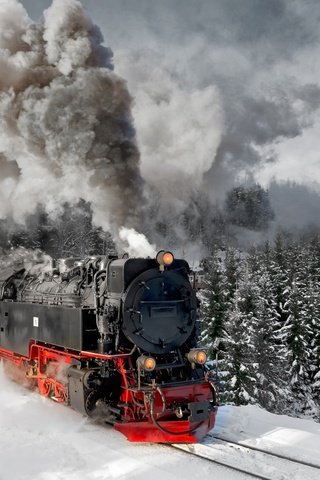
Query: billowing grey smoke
x: 261, y: 57
x: 66, y: 130
x: 222, y: 90
x: 179, y: 128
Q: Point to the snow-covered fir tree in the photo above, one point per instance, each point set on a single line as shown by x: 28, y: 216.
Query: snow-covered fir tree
x: 215, y: 304
x: 270, y: 353
x: 238, y: 357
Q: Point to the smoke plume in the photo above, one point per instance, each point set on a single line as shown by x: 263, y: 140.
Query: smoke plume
x: 66, y: 130
x: 261, y: 58
x: 138, y: 244
x: 179, y: 129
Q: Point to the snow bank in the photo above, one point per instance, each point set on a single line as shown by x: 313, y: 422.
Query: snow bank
x: 253, y: 426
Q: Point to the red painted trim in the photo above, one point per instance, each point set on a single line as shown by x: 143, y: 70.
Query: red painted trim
x: 12, y: 357
x: 145, y: 431
x: 45, y: 367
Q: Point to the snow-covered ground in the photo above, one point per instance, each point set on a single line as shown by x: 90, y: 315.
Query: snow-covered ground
x: 253, y: 426
x: 41, y: 440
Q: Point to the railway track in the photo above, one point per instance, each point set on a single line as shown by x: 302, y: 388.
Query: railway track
x: 251, y: 461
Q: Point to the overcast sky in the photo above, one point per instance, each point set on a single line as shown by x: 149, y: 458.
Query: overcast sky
x: 243, y: 75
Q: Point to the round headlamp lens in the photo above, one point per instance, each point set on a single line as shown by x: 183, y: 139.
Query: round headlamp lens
x: 164, y: 258
x: 201, y: 357
x: 167, y: 258
x: 147, y: 363
x: 197, y: 356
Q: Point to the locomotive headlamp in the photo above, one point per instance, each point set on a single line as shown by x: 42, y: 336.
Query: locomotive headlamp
x: 164, y: 258
x: 146, y: 363
x: 197, y: 356
x: 167, y: 258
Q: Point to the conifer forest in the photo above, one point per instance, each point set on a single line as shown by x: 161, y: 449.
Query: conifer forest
x: 261, y: 322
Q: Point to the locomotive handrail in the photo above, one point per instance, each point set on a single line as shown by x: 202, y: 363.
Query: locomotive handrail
x: 85, y: 353
x: 162, y: 301
x: 102, y: 356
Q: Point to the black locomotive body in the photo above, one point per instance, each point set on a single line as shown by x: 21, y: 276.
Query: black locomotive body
x: 114, y: 338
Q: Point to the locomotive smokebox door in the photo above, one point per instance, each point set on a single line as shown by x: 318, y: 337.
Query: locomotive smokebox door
x: 159, y: 311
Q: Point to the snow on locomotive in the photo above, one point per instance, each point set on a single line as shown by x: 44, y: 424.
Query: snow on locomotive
x: 115, y: 339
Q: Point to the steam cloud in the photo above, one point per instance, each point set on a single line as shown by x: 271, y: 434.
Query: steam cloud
x: 34, y: 261
x: 66, y: 130
x: 179, y: 128
x: 137, y: 243
x: 262, y: 65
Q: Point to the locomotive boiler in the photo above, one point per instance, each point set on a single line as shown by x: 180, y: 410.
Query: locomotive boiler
x: 115, y: 338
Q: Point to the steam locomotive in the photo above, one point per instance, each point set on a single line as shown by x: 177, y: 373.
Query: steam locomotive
x: 115, y: 338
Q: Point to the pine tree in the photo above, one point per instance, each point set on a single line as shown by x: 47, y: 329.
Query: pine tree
x: 238, y: 358
x: 297, y: 333
x: 215, y: 304
x: 313, y: 315
x: 311, y: 261
x: 271, y: 390
x: 233, y: 266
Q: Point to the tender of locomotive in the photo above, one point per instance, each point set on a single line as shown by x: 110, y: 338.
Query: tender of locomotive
x: 115, y: 339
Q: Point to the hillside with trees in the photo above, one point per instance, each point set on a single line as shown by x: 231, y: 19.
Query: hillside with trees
x: 261, y: 323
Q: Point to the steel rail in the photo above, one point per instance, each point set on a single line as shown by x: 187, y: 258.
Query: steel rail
x: 257, y: 449
x: 196, y: 451
x: 189, y: 449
